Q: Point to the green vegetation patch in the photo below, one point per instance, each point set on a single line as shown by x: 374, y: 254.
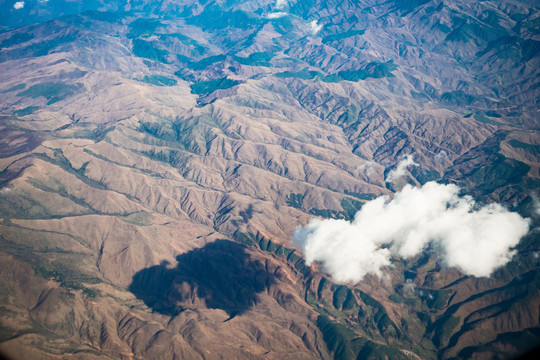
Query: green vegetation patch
x: 19, y: 205
x: 204, y: 63
x: 162, y: 130
x: 283, y: 25
x: 15, y: 39
x: 57, y: 188
x: 301, y: 266
x: 361, y: 196
x: 303, y: 8
x: 64, y: 267
x: 143, y: 27
x: 171, y: 157
x: 41, y: 48
x: 74, y: 285
x: 159, y: 80
x: 346, y: 344
x: 106, y: 16
x: 533, y: 149
x: 526, y: 340
x: 404, y: 7
x: 502, y: 172
x: 207, y: 87
x: 445, y: 330
x: 341, y: 36
x: 14, y: 88
x: 321, y: 287
x: 182, y: 59
x: 59, y: 159
x: 374, y: 351
x: 385, y: 325
x: 458, y: 98
x: 303, y: 74
x: 437, y: 299
x: 425, y: 175
x: 295, y: 200
x: 350, y: 207
x: 325, y: 213
x: 343, y: 298
x: 492, y: 113
x: 147, y: 50
x: 374, y: 69
x: 141, y: 218
x: 338, y: 338
x: 215, y: 18
x: 52, y: 91
x: 483, y: 119
x: 530, y: 49
x: 475, y: 31
x: 243, y: 238
x: 256, y: 59
x: 268, y: 245
x: 186, y: 40
x: 64, y: 271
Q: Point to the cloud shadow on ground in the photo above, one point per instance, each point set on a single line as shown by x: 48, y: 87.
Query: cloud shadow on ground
x: 219, y: 275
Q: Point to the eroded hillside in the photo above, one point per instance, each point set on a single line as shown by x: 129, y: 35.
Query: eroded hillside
x: 155, y: 159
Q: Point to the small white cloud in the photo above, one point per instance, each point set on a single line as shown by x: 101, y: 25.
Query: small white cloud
x: 476, y: 240
x: 536, y: 205
x: 280, y: 4
x: 315, y: 28
x: 18, y: 5
x: 441, y: 157
x: 276, y: 15
x: 409, y: 286
x: 401, y: 169
x: 369, y: 168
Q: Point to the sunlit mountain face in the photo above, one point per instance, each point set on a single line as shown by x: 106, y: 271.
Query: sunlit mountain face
x: 269, y: 179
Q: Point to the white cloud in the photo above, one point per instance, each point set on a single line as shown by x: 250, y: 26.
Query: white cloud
x: 401, y: 169
x: 441, y: 157
x: 276, y: 15
x: 409, y: 287
x: 536, y: 205
x: 18, y: 5
x: 369, y: 168
x: 314, y: 27
x: 474, y: 240
x: 280, y: 4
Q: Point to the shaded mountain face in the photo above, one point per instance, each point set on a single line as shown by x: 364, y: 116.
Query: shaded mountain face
x: 157, y: 156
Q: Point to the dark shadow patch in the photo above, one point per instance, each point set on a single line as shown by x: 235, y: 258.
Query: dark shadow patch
x: 15, y: 141
x: 247, y: 214
x: 4, y: 356
x: 220, y: 275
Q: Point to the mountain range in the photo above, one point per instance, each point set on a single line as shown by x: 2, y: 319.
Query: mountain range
x: 156, y: 158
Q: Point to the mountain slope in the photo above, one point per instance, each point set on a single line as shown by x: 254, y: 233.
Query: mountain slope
x: 156, y: 158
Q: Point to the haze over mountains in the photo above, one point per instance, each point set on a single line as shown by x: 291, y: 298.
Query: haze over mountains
x: 156, y: 158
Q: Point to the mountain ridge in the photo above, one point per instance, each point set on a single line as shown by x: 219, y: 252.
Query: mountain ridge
x: 136, y: 140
